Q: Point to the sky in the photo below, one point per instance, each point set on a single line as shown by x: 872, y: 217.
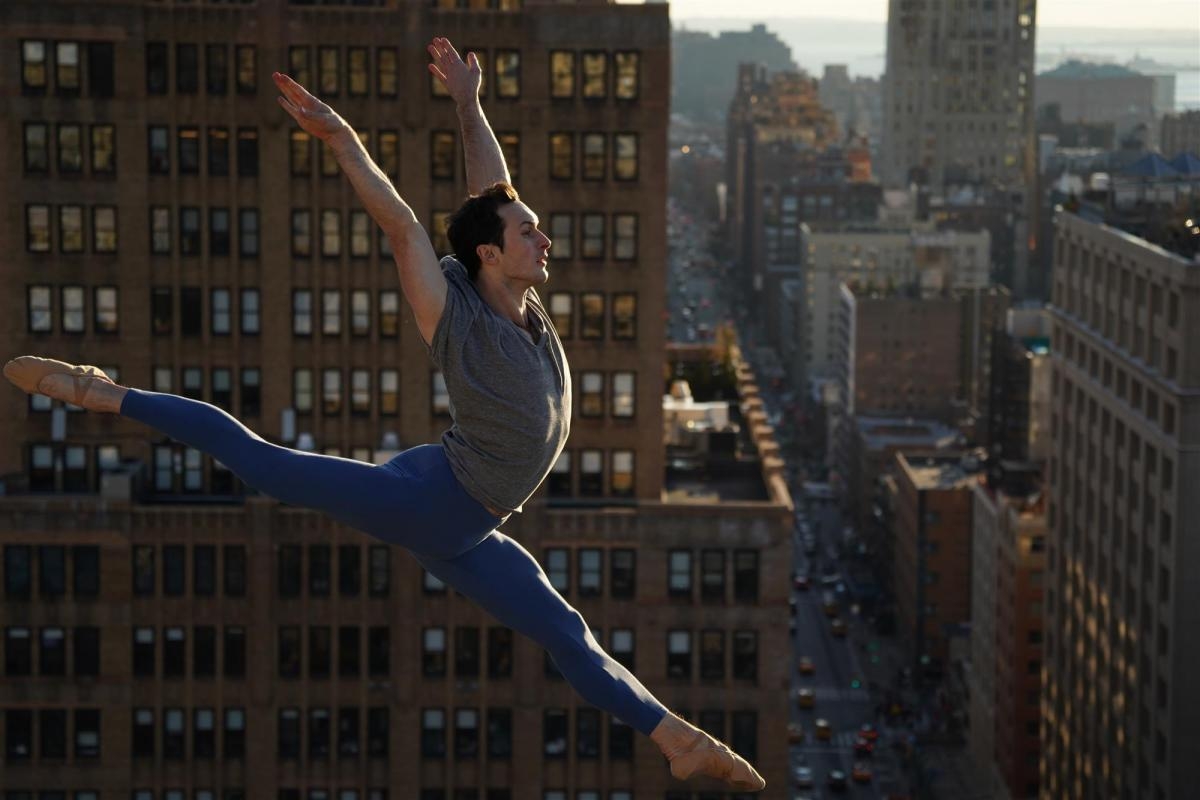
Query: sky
x: 1125, y: 14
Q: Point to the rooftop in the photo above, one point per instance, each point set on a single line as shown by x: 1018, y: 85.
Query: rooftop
x: 880, y: 433
x: 1088, y: 70
x: 943, y: 471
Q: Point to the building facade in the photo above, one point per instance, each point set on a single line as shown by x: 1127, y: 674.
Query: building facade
x: 1120, y: 611
x: 170, y: 224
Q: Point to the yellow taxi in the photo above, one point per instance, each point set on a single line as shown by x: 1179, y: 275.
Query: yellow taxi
x: 824, y: 731
x: 838, y: 627
x: 806, y: 666
x: 806, y: 698
x: 861, y: 773
x: 795, y: 733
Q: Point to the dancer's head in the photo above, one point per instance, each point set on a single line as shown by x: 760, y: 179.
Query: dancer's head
x: 495, y: 229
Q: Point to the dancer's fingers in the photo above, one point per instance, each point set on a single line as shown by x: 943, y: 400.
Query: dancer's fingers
x: 295, y: 92
x: 472, y: 60
x: 440, y: 75
x: 288, y: 107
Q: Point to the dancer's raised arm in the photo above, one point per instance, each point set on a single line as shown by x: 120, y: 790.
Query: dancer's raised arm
x: 485, y: 159
x: 420, y: 275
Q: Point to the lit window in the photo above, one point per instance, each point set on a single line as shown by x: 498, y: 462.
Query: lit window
x: 360, y: 312
x: 592, y: 245
x: 385, y: 58
x: 591, y: 394
x: 37, y: 229
x: 624, y: 237
x: 66, y: 63
x: 562, y: 74
x: 358, y: 71
x: 591, y: 473
x: 300, y: 153
x: 510, y: 146
x: 327, y: 66
x: 247, y: 69
x: 160, y: 230
x: 360, y: 391
x: 626, y: 66
x: 331, y: 391
x: 389, y: 392
x: 562, y: 236
x: 33, y: 67
x: 70, y: 148
x: 41, y: 316
x: 624, y: 316
x: 72, y: 309
x: 562, y: 309
x: 623, y: 397
x: 591, y: 315
x: 300, y: 65
x: 302, y: 391
x: 360, y: 234
x: 104, y: 149
x: 389, y: 153
x: 625, y: 156
x: 444, y: 155
x: 595, y: 156
x: 37, y: 147
x: 105, y: 307
x: 595, y: 76
x: 622, y: 473
x: 562, y: 156
x: 331, y: 312
x: 389, y: 313
x: 302, y: 312
x: 331, y: 233
x: 508, y: 74
x: 70, y: 229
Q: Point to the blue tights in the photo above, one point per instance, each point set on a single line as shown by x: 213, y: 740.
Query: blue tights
x: 415, y: 501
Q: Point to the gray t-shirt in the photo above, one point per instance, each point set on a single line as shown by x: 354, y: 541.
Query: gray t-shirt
x: 510, y: 393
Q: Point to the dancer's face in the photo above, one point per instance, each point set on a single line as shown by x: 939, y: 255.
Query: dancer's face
x: 526, y: 249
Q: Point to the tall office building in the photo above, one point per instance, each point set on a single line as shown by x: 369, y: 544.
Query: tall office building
x: 1121, y: 609
x: 958, y: 93
x: 170, y: 633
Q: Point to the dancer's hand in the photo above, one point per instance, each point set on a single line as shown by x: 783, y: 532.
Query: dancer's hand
x: 461, y: 78
x: 310, y: 113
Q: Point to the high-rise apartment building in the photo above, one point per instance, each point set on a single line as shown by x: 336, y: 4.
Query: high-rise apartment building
x: 1121, y: 610
x: 166, y: 631
x: 958, y: 93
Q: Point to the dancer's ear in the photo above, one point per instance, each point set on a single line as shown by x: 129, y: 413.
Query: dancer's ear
x: 486, y: 253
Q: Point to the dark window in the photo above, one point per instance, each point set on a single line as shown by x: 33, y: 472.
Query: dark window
x: 744, y: 737
x: 86, y: 651
x: 18, y: 652
x: 620, y: 740
x: 204, y: 651
x: 235, y: 651
x: 466, y: 652
x: 444, y: 155
x: 17, y: 571
x: 300, y: 153
x: 218, y: 151
x: 679, y: 654
x: 379, y: 651
x: 101, y: 81
x: 37, y: 147
x: 500, y: 653
x: 218, y: 232
x: 143, y: 733
x: 70, y: 148
x: 52, y: 733
x: 235, y: 734
x: 587, y: 733
x: 377, y: 732
x: 712, y: 575
x: 52, y: 570
x: 318, y: 734
x: 187, y: 71
x: 300, y: 65
x: 289, y: 651
x: 433, y: 654
x: 379, y: 570
x: 87, y: 733
x: 247, y: 68
x: 216, y: 68
x: 204, y: 735
x: 562, y: 156
x: 86, y: 569
x: 745, y: 655
x: 348, y: 732
x: 745, y: 576
x: 158, y: 147
x: 52, y: 652
x: 161, y: 311
x: 349, y: 651
x: 143, y: 652
x: 174, y: 653
x: 554, y: 733
x: 289, y: 734
x: 318, y: 570
x: 251, y: 392
x: 189, y: 244
x: 499, y: 733
x: 235, y: 570
x: 247, y: 152
x: 712, y: 655
x: 466, y: 733
x: 18, y: 734
x: 188, y: 144
x: 289, y: 570
x: 174, y: 569
x: 623, y: 573
x: 156, y: 68
x: 595, y: 156
x: 319, y: 647
x: 204, y: 569
x: 433, y: 733
x: 349, y: 570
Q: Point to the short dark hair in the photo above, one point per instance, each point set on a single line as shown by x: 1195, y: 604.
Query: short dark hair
x: 478, y: 221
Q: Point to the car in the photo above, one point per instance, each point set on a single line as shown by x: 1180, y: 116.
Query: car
x: 829, y: 604
x: 801, y: 582
x: 824, y: 731
x: 838, y: 627
x: 861, y: 772
x: 806, y: 698
x: 867, y: 731
x: 806, y: 666
x: 837, y: 780
x: 795, y: 733
x: 863, y: 747
x: 802, y: 776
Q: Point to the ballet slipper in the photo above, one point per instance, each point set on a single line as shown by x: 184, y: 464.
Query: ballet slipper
x: 28, y: 372
x: 691, y: 751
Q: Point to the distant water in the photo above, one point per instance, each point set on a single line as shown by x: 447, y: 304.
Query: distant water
x: 862, y: 47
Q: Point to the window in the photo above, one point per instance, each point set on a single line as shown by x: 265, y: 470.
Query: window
x: 558, y: 570
x: 327, y: 68
x: 301, y: 232
x: 385, y: 65
x: 331, y: 312
x: 18, y: 652
x: 679, y: 654
x: 595, y: 76
x: 189, y: 151
x: 562, y: 309
x: 510, y: 147
x: 247, y: 69
x: 17, y: 571
x: 592, y: 245
x: 320, y: 652
x: 622, y: 573
x: 160, y: 230
x: 87, y: 733
x: 625, y: 64
x: 360, y: 392
x: 104, y: 305
x: 331, y: 233
x: 558, y: 482
x: 174, y: 566
x: 216, y: 69
x: 591, y: 315
x: 466, y: 733
x: 104, y: 149
x: 621, y: 647
x: 591, y: 572
x: 622, y: 473
x: 300, y: 153
x: 591, y: 473
x: 143, y: 570
x: 554, y: 733
x: 625, y: 156
x: 624, y: 317
x: 595, y: 156
x: 66, y: 67
x: 218, y: 231
x: 712, y: 655
x: 204, y: 570
x: 745, y: 575
x: 250, y: 319
x: 562, y: 235
x: 218, y: 151
x: 41, y: 317
x: 72, y: 309
x: 70, y: 229
x: 433, y: 733
x: 288, y: 743
x: 624, y: 237
x: 37, y: 147
x: 235, y: 733
x: 37, y: 228
x: 248, y: 232
x: 187, y: 78
x: 378, y: 651
x: 33, y: 67
x: 251, y: 391
x: 499, y: 652
x: 433, y: 653
x: 358, y: 71
x: 156, y: 68
x: 204, y: 651
x: 745, y: 655
x: 679, y: 573
x: 508, y: 74
x: 87, y: 651
x: 562, y: 74
x: 289, y: 651
x: 562, y: 156
x: 349, y: 651
x: 389, y: 153
x: 70, y: 148
x: 389, y: 392
x: 101, y: 78
x: 190, y: 311
x: 302, y: 391
x: 189, y: 231
x: 204, y: 738
x: 247, y: 152
x: 300, y: 65
x: 443, y: 155
x: 348, y: 732
x: 360, y: 234
x: 712, y: 575
x: 587, y: 739
x: 158, y: 148
x: 143, y: 733
x: 86, y: 571
x: 744, y: 737
x: 318, y: 734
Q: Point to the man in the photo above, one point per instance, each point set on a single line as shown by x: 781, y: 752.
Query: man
x: 510, y: 390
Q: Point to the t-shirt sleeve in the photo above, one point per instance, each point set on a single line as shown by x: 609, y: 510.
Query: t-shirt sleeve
x: 462, y: 303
